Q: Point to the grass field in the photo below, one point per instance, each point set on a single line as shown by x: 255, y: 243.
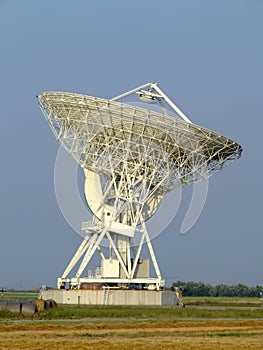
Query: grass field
x: 19, y: 295
x: 202, y: 324
x: 223, y: 301
x: 149, y: 313
x: 165, y: 313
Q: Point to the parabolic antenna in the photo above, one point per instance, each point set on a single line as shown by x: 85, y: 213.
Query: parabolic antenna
x: 131, y: 157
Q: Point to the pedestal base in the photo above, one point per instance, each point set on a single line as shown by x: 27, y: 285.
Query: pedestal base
x: 111, y: 297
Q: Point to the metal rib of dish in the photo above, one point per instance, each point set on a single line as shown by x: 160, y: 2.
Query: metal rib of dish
x: 105, y: 136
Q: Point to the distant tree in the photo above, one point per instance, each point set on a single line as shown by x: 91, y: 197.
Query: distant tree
x: 221, y: 290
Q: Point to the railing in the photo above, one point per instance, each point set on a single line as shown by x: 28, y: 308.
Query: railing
x: 95, y: 273
x: 89, y: 226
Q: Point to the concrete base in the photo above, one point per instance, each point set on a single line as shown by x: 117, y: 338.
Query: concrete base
x: 110, y: 297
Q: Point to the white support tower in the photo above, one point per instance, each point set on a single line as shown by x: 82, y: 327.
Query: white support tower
x: 131, y: 158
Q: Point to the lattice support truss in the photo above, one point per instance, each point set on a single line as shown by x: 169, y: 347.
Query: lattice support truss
x: 127, y: 265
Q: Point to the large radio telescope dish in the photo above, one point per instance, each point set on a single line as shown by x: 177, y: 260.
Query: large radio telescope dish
x: 141, y: 155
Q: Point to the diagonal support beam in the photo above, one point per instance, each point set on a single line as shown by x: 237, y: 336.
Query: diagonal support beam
x: 151, y: 251
x: 95, y: 242
x: 76, y: 257
x: 137, y: 255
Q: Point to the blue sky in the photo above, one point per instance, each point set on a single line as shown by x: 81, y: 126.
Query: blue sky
x: 206, y: 54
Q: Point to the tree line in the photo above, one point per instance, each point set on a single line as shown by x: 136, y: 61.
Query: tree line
x: 200, y: 289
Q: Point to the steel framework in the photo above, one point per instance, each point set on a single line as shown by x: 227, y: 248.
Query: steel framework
x: 131, y: 157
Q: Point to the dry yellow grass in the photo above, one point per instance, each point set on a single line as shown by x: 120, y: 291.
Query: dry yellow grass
x: 182, y: 336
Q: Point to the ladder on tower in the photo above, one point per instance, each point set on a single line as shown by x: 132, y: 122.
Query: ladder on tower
x: 106, y: 295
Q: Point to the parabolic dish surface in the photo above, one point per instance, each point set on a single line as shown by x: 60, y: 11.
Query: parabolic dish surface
x: 105, y: 136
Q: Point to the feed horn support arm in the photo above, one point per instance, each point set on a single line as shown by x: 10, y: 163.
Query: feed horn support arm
x: 154, y: 86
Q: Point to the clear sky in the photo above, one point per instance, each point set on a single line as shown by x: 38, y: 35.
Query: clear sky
x: 206, y: 54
